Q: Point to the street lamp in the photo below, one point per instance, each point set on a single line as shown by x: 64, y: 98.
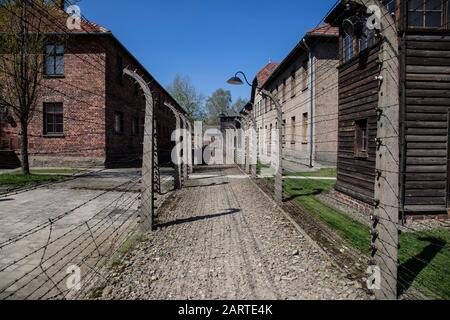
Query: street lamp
x: 236, y: 80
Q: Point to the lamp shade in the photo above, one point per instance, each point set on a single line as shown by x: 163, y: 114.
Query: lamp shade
x: 235, y: 81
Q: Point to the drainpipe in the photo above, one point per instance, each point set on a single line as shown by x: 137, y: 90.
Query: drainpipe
x: 310, y: 106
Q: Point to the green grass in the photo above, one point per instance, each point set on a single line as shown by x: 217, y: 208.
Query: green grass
x: 326, y: 173
x: 304, y: 191
x: 424, y: 256
x: 37, y: 176
x: 124, y: 249
x: 20, y: 180
x: 427, y: 255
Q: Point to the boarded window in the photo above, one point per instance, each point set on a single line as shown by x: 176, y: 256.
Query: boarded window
x: 54, y: 60
x: 118, y: 123
x: 119, y: 69
x: 135, y: 126
x: 305, y: 128
x: 293, y: 83
x: 305, y: 75
x: 361, y: 138
x: 293, y: 130
x: 426, y: 13
x: 53, y: 119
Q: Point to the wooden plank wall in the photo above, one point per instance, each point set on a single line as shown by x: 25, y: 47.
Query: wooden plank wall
x: 358, y: 99
x: 427, y: 102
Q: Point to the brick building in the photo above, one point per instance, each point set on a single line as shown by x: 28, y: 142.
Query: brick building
x: 90, y: 114
x: 305, y: 84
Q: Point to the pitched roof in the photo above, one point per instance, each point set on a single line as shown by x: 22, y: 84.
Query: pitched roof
x: 266, y: 72
x: 230, y: 113
x: 52, y: 19
x: 323, y: 30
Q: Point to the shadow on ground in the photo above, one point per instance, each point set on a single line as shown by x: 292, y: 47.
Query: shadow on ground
x: 197, y: 218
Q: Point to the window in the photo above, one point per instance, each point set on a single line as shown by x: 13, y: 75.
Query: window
x: 53, y: 119
x: 347, y: 48
x: 305, y: 75
x: 367, y: 36
x: 283, y: 91
x: 118, y: 123
x: 361, y: 138
x: 293, y: 84
x: 54, y: 60
x: 135, y: 126
x: 305, y: 128
x: 119, y: 69
x: 293, y: 130
x: 426, y: 13
x: 284, y: 131
x: 3, y: 113
x: 391, y: 5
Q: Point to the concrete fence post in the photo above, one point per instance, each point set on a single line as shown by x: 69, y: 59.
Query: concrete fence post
x: 178, y: 161
x: 386, y: 215
x: 147, y: 193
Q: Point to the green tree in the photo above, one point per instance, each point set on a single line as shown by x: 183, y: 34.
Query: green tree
x: 184, y: 92
x: 239, y: 104
x: 219, y: 102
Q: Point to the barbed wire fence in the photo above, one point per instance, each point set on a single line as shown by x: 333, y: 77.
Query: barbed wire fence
x: 386, y: 224
x: 60, y: 257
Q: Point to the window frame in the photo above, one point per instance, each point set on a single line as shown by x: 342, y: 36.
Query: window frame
x: 361, y: 142
x: 305, y: 74
x: 121, y: 124
x: 119, y: 66
x: 444, y: 13
x: 351, y: 49
x: 135, y: 126
x: 293, y: 130
x: 53, y: 114
x: 293, y: 83
x: 305, y: 127
x: 367, y: 38
x: 54, y: 57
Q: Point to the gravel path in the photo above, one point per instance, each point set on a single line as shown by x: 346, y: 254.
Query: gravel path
x: 222, y: 238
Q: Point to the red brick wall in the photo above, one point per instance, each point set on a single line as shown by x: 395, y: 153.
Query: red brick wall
x: 82, y: 92
x: 91, y: 94
x: 121, y: 97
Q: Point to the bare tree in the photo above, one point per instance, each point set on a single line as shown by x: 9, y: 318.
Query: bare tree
x: 21, y: 64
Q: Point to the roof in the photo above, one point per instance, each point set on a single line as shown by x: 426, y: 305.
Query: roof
x: 323, y: 31
x: 266, y: 72
x: 336, y: 16
x: 230, y: 113
x: 56, y: 20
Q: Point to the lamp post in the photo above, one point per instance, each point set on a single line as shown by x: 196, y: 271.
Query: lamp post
x: 236, y: 80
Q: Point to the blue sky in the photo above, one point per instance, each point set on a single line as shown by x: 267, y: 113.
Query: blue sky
x: 207, y: 40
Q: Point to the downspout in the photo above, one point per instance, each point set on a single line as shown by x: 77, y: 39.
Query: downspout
x: 310, y: 106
